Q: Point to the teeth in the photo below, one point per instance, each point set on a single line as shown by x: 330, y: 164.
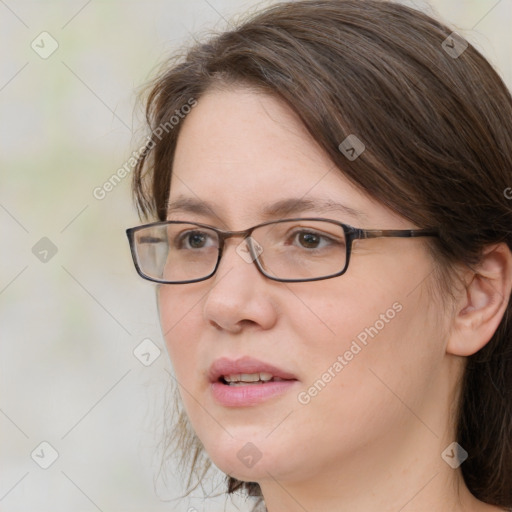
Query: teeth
x: 249, y: 377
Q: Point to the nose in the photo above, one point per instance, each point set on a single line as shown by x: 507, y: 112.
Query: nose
x: 239, y: 294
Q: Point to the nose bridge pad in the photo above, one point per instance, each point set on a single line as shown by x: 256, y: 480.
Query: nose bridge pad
x: 249, y: 249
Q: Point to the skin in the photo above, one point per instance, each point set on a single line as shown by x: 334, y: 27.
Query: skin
x: 372, y: 438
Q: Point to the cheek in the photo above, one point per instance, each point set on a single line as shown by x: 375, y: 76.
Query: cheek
x: 180, y: 320
x: 356, y: 391
x: 364, y: 352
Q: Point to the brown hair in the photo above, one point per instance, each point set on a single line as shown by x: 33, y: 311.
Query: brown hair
x: 438, y: 133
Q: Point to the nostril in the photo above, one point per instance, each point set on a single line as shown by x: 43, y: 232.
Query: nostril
x: 216, y: 325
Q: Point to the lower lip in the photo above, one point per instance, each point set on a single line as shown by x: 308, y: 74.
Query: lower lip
x: 250, y: 394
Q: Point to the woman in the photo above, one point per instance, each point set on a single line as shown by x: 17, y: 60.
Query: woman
x: 333, y: 247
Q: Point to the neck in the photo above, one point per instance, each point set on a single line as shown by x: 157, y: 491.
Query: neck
x: 402, y: 470
x: 407, y: 484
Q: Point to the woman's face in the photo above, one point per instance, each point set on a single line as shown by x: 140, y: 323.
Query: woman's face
x: 365, y: 350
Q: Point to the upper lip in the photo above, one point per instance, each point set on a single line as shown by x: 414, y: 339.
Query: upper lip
x: 225, y: 366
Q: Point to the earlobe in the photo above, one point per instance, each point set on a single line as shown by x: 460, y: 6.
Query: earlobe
x: 483, y: 302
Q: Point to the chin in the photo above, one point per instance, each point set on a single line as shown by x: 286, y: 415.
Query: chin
x: 244, y: 460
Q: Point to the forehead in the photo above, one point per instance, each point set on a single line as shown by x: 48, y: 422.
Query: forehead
x: 244, y: 157
x: 243, y: 128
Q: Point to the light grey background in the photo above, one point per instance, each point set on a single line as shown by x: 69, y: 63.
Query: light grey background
x: 69, y: 324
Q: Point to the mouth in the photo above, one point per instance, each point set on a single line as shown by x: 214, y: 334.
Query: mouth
x: 247, y: 381
x: 243, y: 379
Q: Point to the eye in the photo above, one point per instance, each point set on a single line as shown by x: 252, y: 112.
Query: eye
x: 313, y: 240
x: 193, y: 240
x: 308, y: 239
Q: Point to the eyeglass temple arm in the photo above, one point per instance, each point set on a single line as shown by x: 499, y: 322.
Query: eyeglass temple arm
x: 400, y: 233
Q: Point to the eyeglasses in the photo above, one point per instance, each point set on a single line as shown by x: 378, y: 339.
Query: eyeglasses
x: 287, y: 250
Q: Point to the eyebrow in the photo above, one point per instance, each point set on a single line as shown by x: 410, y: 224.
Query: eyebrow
x: 269, y: 211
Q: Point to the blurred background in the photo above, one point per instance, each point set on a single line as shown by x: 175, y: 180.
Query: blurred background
x: 84, y: 375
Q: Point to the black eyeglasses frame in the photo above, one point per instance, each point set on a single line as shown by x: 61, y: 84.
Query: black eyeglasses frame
x: 351, y: 234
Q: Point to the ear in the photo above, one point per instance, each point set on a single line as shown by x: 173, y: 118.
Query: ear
x: 482, y: 302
